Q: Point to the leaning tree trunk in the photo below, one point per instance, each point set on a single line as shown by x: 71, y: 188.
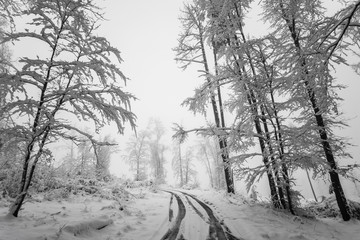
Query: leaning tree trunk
x: 281, y: 149
x: 25, y: 182
x: 221, y: 140
x: 273, y: 192
x: 254, y: 106
x: 228, y: 174
x: 26, y: 177
x: 311, y: 185
x: 254, y: 111
x: 278, y: 134
x: 334, y: 176
x: 273, y: 160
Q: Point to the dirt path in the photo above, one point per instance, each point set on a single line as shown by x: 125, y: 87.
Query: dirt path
x: 194, y: 220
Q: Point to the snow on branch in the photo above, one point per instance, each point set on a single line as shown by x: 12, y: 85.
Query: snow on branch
x: 181, y: 134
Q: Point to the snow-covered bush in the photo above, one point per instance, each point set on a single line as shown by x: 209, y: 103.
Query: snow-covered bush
x: 9, y: 182
x: 57, y: 194
x: 328, y: 208
x: 191, y: 186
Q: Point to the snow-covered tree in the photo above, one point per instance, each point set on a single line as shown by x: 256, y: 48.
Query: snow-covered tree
x: 137, y: 154
x: 209, y: 153
x: 103, y: 156
x: 281, y: 87
x: 312, y: 49
x: 156, y: 132
x: 182, y: 164
x: 189, y: 167
x: 177, y: 163
x: 72, y: 74
x: 193, y: 49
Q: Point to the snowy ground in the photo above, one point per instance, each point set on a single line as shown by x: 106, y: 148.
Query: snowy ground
x: 145, y: 215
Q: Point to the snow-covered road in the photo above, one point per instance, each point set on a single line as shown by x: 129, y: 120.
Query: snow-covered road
x: 194, y: 220
x: 152, y: 214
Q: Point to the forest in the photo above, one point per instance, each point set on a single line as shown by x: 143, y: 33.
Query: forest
x: 271, y: 97
x: 280, y: 89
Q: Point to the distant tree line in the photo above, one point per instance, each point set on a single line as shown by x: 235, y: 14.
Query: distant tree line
x: 145, y: 152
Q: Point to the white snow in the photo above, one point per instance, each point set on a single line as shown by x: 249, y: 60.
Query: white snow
x: 145, y: 215
x: 255, y: 221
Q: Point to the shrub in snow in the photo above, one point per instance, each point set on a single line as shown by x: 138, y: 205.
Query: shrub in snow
x: 328, y: 208
x: 9, y: 183
x: 79, y: 228
x: 57, y: 194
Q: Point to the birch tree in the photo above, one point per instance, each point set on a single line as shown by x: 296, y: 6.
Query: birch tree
x: 75, y: 76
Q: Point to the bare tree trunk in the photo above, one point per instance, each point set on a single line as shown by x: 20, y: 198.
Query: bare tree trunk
x: 16, y: 206
x: 311, y: 186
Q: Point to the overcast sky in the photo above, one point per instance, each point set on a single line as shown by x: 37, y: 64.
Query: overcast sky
x: 145, y: 32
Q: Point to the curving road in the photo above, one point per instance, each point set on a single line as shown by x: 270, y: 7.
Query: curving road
x: 194, y: 220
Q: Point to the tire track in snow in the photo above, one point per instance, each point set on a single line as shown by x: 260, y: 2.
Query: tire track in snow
x: 172, y: 233
x: 217, y: 230
x: 195, y: 209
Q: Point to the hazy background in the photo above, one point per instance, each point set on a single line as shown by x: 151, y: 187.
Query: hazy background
x: 145, y: 32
